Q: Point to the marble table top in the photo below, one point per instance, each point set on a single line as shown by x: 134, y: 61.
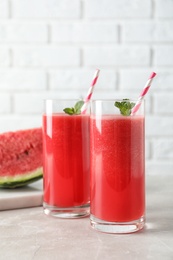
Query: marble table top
x: 27, y: 234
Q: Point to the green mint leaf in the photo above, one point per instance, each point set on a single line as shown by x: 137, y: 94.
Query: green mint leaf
x: 69, y: 110
x: 76, y: 110
x: 125, y: 106
x: 78, y: 106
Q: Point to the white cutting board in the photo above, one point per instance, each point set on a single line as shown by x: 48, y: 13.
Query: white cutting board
x: 28, y: 196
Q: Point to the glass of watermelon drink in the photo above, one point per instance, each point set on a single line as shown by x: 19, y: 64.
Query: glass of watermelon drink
x: 66, y: 148
x: 117, y: 143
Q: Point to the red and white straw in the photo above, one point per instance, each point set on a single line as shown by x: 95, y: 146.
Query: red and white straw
x: 90, y: 92
x: 143, y: 93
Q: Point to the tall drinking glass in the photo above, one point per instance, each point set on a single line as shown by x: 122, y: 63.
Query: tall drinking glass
x: 66, y: 148
x: 117, y: 168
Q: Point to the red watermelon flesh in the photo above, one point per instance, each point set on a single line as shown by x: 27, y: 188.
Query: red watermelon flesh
x: 20, y: 157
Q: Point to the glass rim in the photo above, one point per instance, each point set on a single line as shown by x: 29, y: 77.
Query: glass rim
x: 116, y: 99
x: 62, y: 99
x: 92, y: 100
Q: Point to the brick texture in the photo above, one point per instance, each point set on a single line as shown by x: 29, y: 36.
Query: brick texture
x: 4, y: 9
x: 151, y: 32
x: 118, y: 9
x: 117, y: 56
x: 5, y: 101
x: 16, y: 32
x: 80, y: 79
x: 85, y: 32
x: 164, y: 10
x: 45, y: 9
x: 20, y: 79
x: 46, y: 56
x: 163, y: 55
x: 51, y: 48
x: 5, y: 59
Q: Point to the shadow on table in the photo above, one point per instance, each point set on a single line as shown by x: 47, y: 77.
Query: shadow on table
x: 159, y: 219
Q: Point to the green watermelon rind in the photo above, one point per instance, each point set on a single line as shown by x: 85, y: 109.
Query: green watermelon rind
x: 19, y: 180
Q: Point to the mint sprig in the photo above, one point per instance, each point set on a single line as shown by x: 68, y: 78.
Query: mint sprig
x: 125, y: 106
x: 76, y: 110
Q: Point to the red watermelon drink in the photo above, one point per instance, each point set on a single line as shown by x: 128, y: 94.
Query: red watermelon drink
x: 117, y: 168
x: 66, y: 144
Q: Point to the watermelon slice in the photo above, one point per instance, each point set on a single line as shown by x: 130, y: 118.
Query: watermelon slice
x: 20, y: 157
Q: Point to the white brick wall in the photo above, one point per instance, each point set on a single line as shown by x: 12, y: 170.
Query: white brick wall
x: 77, y: 32
x: 51, y: 48
x: 117, y: 56
x: 164, y: 10
x: 5, y: 101
x: 151, y: 32
x: 163, y: 149
x: 25, y: 32
x: 118, y: 9
x: 166, y: 99
x: 46, y: 56
x: 4, y: 9
x: 79, y: 79
x: 22, y: 79
x: 46, y: 9
x: 4, y: 57
x: 163, y: 55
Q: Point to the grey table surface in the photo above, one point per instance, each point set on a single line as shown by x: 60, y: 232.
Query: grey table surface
x: 29, y: 234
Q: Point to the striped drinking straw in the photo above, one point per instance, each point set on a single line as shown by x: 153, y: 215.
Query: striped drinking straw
x: 90, y: 92
x: 143, y: 93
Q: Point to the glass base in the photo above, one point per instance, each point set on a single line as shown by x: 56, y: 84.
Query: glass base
x: 71, y: 212
x: 117, y: 227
